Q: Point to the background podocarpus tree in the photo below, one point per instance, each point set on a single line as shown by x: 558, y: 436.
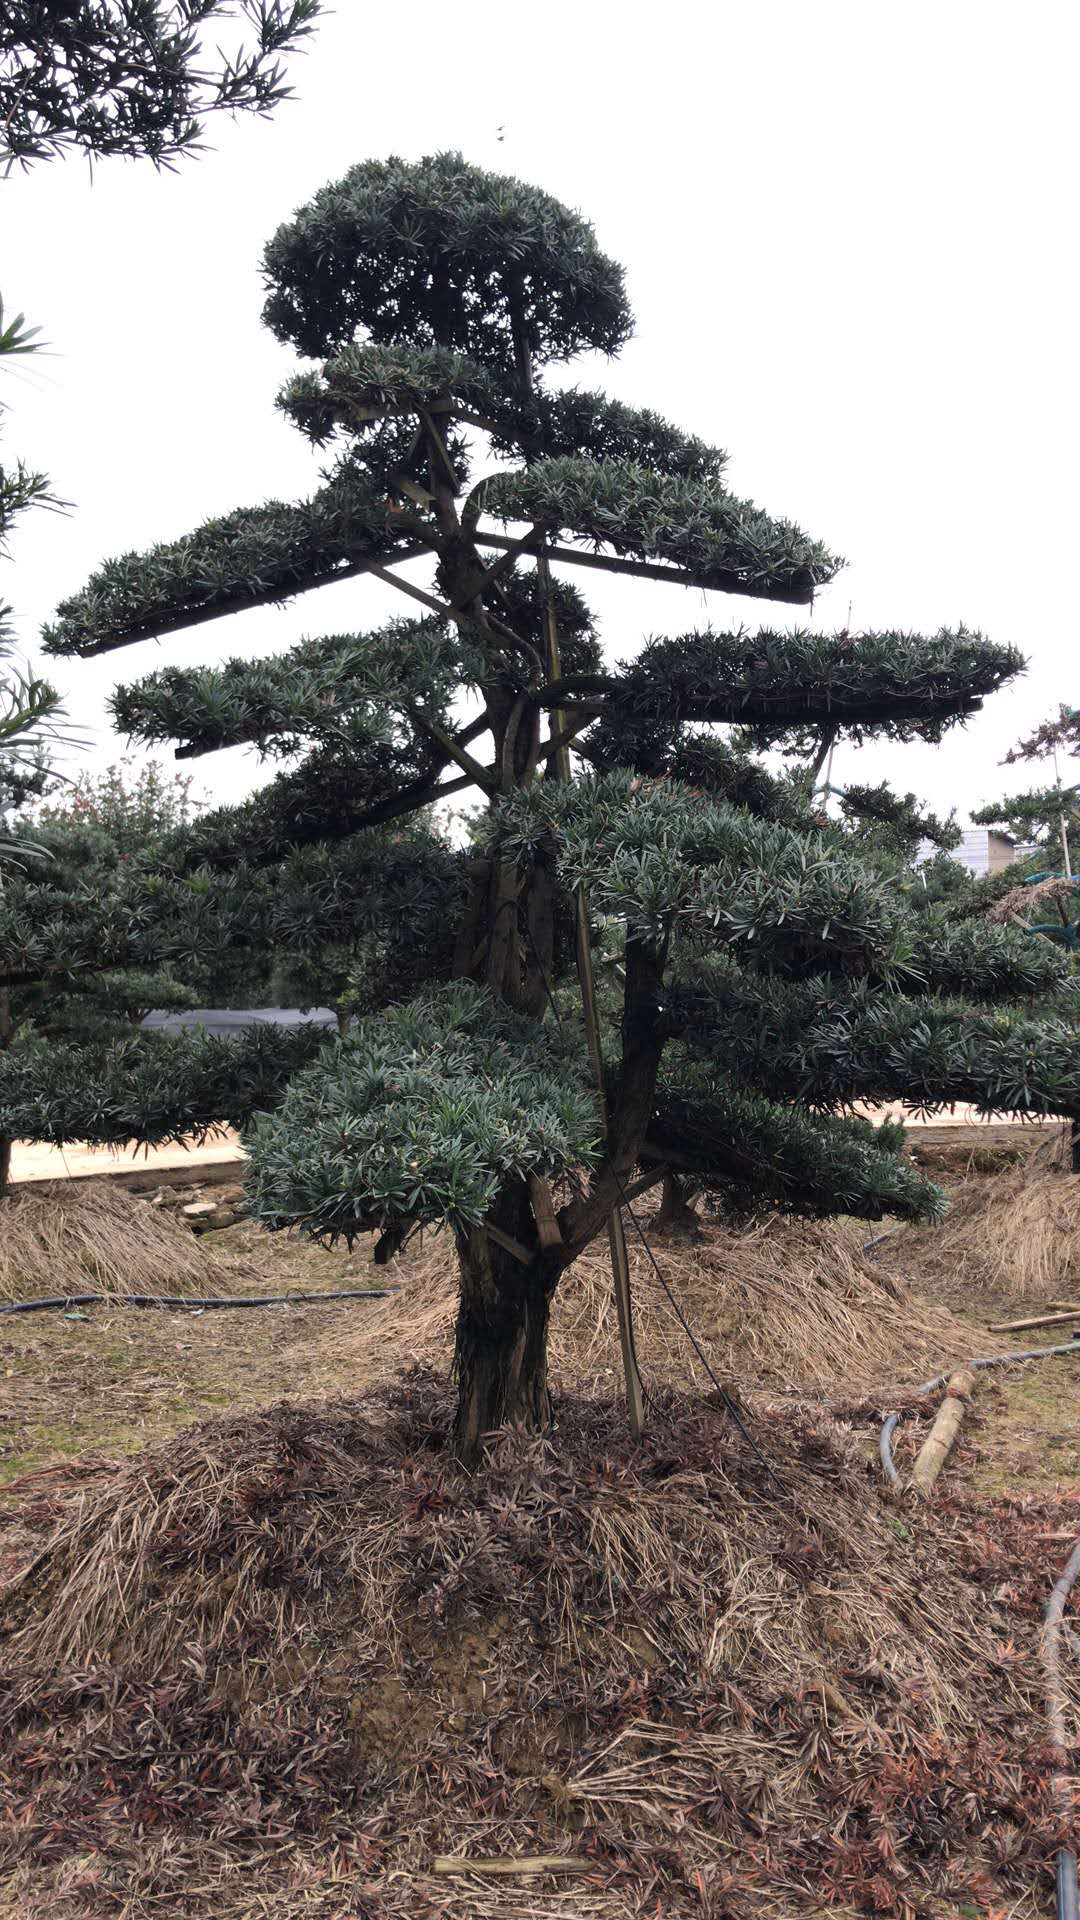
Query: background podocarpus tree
x: 108, y: 910
x: 755, y: 978
x: 103, y: 78
x: 93, y: 936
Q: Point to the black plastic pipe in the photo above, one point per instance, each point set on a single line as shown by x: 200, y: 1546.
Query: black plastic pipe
x: 1067, y: 1891
x: 941, y: 1379
x: 191, y: 1300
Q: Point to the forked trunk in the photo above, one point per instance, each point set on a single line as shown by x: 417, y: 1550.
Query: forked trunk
x: 501, y: 1352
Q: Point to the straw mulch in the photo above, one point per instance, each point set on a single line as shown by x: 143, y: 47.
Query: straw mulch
x: 94, y: 1237
x: 1015, y: 1235
x: 284, y: 1662
x: 785, y: 1305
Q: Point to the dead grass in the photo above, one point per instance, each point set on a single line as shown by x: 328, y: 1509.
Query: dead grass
x: 91, y: 1237
x: 1014, y: 1236
x: 279, y: 1664
x: 786, y: 1304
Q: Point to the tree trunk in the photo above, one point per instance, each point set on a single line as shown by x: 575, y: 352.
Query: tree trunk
x: 1074, y: 1145
x: 5, y: 1164
x: 676, y: 1214
x: 501, y: 1353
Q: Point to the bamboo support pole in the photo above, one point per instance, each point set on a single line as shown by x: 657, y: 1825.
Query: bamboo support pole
x: 935, y: 1448
x: 620, y: 1260
x: 1042, y: 1320
x: 453, y: 1863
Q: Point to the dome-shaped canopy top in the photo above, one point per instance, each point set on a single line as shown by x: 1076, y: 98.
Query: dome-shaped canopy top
x: 440, y: 251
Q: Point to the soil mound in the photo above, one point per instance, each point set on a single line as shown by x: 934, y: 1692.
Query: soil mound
x: 287, y: 1663
x: 93, y: 1237
x: 787, y: 1304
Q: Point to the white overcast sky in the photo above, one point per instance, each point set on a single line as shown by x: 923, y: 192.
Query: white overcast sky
x: 849, y: 233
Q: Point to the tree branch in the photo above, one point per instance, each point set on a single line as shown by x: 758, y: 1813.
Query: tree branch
x: 151, y: 629
x: 453, y: 750
x: 719, y: 582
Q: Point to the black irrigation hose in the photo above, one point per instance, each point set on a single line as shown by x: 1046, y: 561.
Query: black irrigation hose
x: 940, y: 1380
x: 1067, y: 1888
x: 191, y: 1300
x: 1067, y: 1891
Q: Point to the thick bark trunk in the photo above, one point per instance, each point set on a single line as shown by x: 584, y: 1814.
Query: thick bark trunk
x: 501, y: 1353
x: 676, y: 1214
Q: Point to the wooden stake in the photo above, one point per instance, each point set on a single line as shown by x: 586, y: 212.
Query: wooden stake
x: 543, y: 1207
x: 935, y: 1448
x: 1043, y: 1320
x: 620, y: 1259
x: 528, y: 1863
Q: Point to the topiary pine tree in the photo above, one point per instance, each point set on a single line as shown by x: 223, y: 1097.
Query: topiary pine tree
x: 755, y: 980
x: 1046, y: 818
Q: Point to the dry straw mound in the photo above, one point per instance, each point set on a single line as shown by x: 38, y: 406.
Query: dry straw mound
x: 1014, y: 1234
x: 787, y: 1304
x: 283, y: 1663
x: 94, y: 1237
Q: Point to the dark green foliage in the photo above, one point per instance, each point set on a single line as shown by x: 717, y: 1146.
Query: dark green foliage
x: 20, y: 487
x: 430, y: 1110
x: 519, y: 600
x: 899, y: 685
x: 386, y: 903
x: 87, y: 908
x: 830, y: 1045
x: 155, y: 1088
x: 364, y: 379
x: 241, y: 558
x: 1035, y: 816
x: 645, y: 515
x: 895, y: 821
x: 668, y: 863
x: 29, y: 706
x: 439, y: 253
x: 705, y: 763
x: 342, y: 691
x: 769, y: 1157
x: 131, y: 77
x: 981, y: 962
